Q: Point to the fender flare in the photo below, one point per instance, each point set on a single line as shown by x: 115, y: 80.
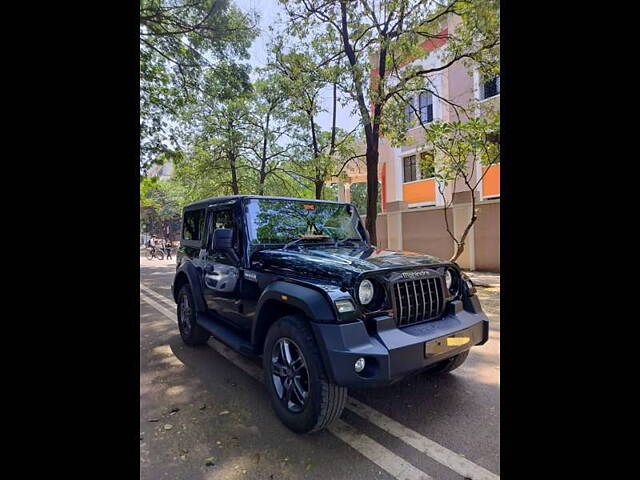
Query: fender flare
x: 313, y: 303
x: 193, y: 274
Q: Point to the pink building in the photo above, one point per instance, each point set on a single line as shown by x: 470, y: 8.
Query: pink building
x: 412, y: 216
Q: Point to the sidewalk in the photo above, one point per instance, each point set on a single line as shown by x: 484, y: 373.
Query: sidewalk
x: 484, y: 279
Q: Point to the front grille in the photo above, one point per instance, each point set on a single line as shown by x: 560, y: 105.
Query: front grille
x: 417, y: 301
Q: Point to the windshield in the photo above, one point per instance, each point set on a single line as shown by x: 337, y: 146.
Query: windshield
x: 282, y: 221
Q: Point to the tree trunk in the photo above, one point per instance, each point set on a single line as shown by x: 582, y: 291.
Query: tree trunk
x: 234, y: 175
x: 319, y: 187
x: 372, y: 191
x: 261, y: 180
x: 461, y: 243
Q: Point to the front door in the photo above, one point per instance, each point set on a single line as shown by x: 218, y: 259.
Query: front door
x: 222, y: 283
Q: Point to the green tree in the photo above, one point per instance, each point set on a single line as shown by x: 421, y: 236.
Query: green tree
x: 269, y: 129
x: 238, y: 145
x: 160, y: 206
x: 181, y: 40
x: 382, y: 35
x: 321, y: 154
x: 460, y: 149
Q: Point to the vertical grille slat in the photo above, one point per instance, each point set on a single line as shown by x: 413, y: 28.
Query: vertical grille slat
x: 406, y: 288
x: 415, y: 293
x: 412, y: 304
x: 399, y: 301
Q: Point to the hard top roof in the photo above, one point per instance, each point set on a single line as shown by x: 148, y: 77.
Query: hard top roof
x: 213, y: 200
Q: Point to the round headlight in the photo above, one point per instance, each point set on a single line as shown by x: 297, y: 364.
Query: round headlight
x: 365, y: 292
x: 448, y: 279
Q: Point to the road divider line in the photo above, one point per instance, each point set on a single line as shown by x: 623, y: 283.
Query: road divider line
x: 381, y: 456
x: 432, y: 449
x: 364, y: 445
x: 158, y: 307
x: 158, y: 296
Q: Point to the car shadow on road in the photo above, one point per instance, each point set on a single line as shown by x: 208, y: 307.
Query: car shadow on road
x: 251, y: 429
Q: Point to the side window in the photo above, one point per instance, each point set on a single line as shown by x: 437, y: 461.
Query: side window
x: 409, y: 168
x: 490, y: 88
x: 192, y: 225
x: 426, y: 107
x: 224, y: 219
x: 409, y: 113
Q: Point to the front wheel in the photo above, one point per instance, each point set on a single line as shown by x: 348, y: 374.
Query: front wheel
x: 159, y: 254
x: 148, y: 255
x: 302, y: 395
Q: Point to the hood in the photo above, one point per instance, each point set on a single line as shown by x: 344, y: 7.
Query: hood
x: 342, y: 264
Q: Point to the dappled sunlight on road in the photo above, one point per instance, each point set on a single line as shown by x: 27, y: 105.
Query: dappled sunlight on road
x: 490, y: 301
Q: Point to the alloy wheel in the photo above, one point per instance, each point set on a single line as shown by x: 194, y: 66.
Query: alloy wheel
x: 185, y: 315
x: 289, y: 374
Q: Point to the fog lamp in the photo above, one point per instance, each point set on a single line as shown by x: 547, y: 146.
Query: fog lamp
x: 359, y: 366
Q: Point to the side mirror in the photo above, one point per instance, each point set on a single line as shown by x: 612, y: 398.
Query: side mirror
x: 223, y: 242
x: 223, y: 239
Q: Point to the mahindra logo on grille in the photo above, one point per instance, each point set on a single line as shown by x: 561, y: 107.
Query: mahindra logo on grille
x: 414, y: 275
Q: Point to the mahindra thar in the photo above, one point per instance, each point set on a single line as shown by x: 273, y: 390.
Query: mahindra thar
x: 297, y: 282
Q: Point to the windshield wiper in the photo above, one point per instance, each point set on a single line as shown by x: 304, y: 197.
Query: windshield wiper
x: 340, y: 242
x: 305, y: 237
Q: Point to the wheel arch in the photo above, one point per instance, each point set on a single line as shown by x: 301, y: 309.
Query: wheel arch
x: 305, y: 301
x: 188, y: 273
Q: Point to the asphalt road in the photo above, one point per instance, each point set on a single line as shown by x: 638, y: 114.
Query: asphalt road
x: 204, y: 413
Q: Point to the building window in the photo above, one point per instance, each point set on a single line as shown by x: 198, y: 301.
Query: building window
x: 426, y: 107
x: 192, y: 224
x: 490, y: 88
x: 410, y: 170
x: 409, y: 113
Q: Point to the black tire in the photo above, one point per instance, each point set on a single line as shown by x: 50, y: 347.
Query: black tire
x: 159, y: 254
x: 148, y: 255
x: 324, y: 401
x: 449, y: 364
x: 192, y: 334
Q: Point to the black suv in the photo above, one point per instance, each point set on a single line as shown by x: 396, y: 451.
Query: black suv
x: 298, y: 282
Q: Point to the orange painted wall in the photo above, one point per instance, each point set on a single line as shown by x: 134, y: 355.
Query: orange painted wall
x: 421, y: 191
x: 491, y: 181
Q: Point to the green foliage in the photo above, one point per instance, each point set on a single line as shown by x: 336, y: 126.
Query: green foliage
x: 301, y: 75
x: 160, y: 206
x: 459, y: 146
x: 359, y: 197
x: 180, y: 42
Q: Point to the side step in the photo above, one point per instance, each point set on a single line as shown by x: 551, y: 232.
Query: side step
x: 225, y: 334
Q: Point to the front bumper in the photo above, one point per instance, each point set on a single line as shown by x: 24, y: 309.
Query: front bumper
x: 392, y: 353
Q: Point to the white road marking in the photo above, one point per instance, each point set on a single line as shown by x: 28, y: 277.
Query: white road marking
x: 158, y: 296
x: 442, y: 455
x: 381, y: 456
x: 157, y: 306
x: 434, y: 450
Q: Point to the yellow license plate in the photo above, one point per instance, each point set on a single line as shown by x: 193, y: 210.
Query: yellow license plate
x: 457, y: 341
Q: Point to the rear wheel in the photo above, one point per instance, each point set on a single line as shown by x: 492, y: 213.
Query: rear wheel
x: 301, y: 394
x: 191, y: 333
x: 148, y: 255
x: 449, y: 364
x: 159, y: 254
